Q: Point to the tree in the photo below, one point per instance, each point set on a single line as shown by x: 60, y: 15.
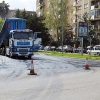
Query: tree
x: 1, y: 22
x: 91, y: 31
x: 21, y: 14
x: 18, y: 13
x: 36, y: 24
x: 68, y: 36
x: 53, y: 15
x: 4, y: 8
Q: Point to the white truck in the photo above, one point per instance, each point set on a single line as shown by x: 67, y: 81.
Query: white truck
x: 16, y: 40
x: 21, y: 43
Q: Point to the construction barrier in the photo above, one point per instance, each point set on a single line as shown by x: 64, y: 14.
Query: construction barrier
x: 32, y: 71
x: 86, y: 66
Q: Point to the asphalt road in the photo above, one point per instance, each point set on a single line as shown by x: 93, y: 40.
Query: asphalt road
x: 58, y: 78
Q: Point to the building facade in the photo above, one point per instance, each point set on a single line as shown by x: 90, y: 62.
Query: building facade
x: 91, y: 7
x: 40, y: 6
x: 11, y: 13
x: 80, y: 7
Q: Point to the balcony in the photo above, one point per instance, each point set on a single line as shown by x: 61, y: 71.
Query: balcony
x: 98, y: 27
x: 94, y: 0
x: 95, y: 7
x: 95, y: 17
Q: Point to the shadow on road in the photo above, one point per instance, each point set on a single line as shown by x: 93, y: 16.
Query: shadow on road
x: 26, y: 58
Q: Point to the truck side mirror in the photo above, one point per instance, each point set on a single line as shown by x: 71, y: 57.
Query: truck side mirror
x: 34, y: 39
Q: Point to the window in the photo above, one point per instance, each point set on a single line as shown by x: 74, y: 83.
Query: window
x: 38, y: 35
x: 92, y: 12
x: 22, y: 35
x: 77, y: 1
x: 79, y: 16
x: 96, y: 13
x: 86, y: 5
x: 79, y: 7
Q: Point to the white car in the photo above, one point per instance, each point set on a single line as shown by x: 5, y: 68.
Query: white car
x: 95, y: 50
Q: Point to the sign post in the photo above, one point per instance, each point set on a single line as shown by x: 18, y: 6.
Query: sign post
x: 82, y: 31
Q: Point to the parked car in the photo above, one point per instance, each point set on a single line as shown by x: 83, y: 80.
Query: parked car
x: 53, y: 48
x: 59, y: 48
x: 41, y: 48
x: 94, y: 50
x: 67, y: 48
x: 88, y: 48
x: 46, y: 48
x: 78, y: 50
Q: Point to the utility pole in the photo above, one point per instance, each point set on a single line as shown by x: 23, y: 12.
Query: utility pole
x: 82, y: 46
x: 62, y: 24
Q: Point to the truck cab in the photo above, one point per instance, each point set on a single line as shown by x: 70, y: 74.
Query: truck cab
x: 16, y: 40
x: 21, y: 43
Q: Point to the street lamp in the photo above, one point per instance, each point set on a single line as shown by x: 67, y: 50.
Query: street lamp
x: 62, y: 24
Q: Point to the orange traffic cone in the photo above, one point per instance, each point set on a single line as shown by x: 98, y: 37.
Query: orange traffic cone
x: 32, y: 72
x: 86, y: 66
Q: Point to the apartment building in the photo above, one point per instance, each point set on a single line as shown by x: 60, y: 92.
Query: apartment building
x: 40, y: 9
x: 95, y: 15
x: 40, y: 6
x: 11, y: 13
x: 92, y: 7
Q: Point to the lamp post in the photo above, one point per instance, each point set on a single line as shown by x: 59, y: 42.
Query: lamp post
x: 62, y: 24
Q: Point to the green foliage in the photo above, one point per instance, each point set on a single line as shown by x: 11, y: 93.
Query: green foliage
x: 18, y: 13
x: 91, y: 31
x: 36, y: 24
x: 22, y: 14
x: 4, y: 8
x: 1, y: 22
x: 54, y: 43
x: 68, y: 37
x: 54, y: 13
x: 74, y: 55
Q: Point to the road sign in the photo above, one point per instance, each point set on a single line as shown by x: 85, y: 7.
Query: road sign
x: 82, y: 29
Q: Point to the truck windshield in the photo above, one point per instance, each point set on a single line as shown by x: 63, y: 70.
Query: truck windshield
x: 24, y: 35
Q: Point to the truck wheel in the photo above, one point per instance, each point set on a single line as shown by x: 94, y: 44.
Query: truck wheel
x: 10, y: 54
x: 29, y: 57
x: 6, y: 52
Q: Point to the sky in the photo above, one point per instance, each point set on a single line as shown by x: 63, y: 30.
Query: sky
x: 29, y: 5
